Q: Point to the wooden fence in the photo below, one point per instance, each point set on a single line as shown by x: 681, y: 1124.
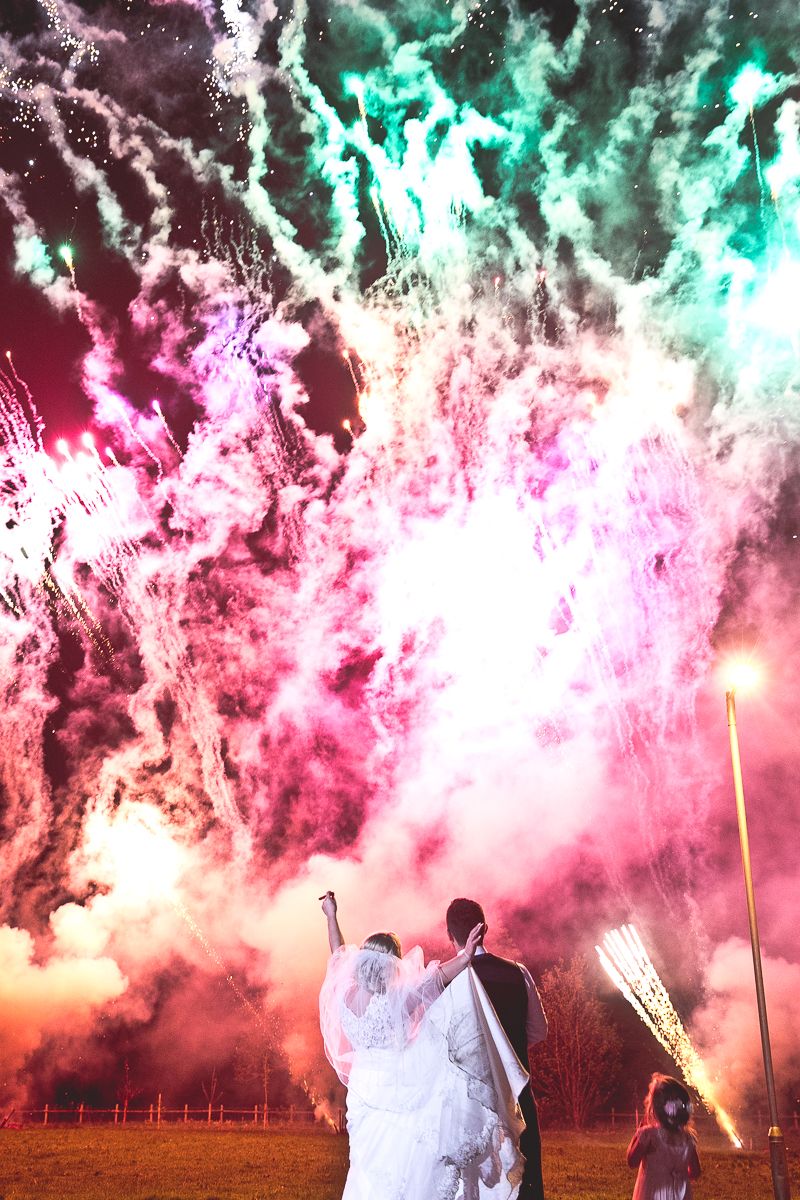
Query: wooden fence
x: 154, y: 1114
x: 752, y: 1127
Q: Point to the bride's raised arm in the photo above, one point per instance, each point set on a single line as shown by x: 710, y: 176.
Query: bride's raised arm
x: 335, y: 938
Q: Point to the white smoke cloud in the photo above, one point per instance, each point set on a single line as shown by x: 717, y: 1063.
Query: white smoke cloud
x: 727, y: 1026
x: 57, y: 998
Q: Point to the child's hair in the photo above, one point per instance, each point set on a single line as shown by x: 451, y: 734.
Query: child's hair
x: 668, y: 1103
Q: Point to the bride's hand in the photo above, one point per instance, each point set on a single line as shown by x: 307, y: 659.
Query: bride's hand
x: 329, y: 904
x: 475, y: 938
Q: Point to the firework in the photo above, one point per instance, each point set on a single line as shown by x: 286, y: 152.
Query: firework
x: 548, y: 317
x: 628, y: 965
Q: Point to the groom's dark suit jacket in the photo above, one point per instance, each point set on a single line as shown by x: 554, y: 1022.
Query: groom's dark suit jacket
x: 506, y: 988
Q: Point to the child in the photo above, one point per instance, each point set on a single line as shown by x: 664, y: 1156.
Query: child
x: 664, y: 1148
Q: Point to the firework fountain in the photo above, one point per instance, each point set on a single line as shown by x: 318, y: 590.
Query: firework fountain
x: 628, y: 965
x: 439, y: 385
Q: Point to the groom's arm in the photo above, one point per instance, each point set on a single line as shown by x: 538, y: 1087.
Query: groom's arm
x: 536, y: 1023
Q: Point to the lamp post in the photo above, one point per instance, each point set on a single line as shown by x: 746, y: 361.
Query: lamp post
x: 777, y: 1146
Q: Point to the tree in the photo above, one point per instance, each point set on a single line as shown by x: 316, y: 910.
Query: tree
x: 575, y: 1069
x: 126, y: 1090
x: 212, y: 1090
x: 251, y: 1064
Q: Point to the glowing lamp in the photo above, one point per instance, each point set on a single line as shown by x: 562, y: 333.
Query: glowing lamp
x: 88, y: 440
x: 62, y: 446
x: 742, y: 675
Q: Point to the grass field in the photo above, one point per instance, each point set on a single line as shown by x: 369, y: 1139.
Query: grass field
x: 231, y: 1164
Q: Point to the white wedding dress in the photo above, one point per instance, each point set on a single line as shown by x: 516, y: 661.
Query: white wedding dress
x: 431, y: 1079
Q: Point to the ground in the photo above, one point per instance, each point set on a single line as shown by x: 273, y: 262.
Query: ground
x: 233, y: 1164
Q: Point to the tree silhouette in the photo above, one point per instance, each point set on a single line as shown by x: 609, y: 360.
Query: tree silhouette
x: 126, y: 1089
x: 212, y: 1090
x: 576, y: 1068
x: 252, y: 1062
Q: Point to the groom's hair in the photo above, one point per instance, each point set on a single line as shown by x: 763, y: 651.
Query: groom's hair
x: 462, y: 917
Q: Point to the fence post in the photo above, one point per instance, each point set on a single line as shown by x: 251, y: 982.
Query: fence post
x: 46, y: 1111
x: 150, y: 1117
x: 185, y: 1113
x: 159, y: 1108
x: 116, y: 1113
x: 266, y: 1116
x: 220, y: 1114
x: 80, y: 1115
x: 125, y: 1113
x: 209, y: 1114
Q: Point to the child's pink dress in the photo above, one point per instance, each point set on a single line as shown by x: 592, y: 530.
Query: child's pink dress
x: 667, y: 1163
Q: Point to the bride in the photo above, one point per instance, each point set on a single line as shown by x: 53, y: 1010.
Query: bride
x: 431, y: 1078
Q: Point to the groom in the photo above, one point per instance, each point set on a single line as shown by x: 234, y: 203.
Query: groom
x: 516, y: 1001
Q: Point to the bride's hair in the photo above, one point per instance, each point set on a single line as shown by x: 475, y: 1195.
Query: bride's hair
x: 387, y: 943
x: 376, y: 965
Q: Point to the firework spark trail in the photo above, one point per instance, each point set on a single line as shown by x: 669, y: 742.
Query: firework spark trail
x: 267, y: 1028
x: 25, y: 555
x: 163, y: 421
x: 245, y: 1001
x: 38, y: 494
x: 628, y: 965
